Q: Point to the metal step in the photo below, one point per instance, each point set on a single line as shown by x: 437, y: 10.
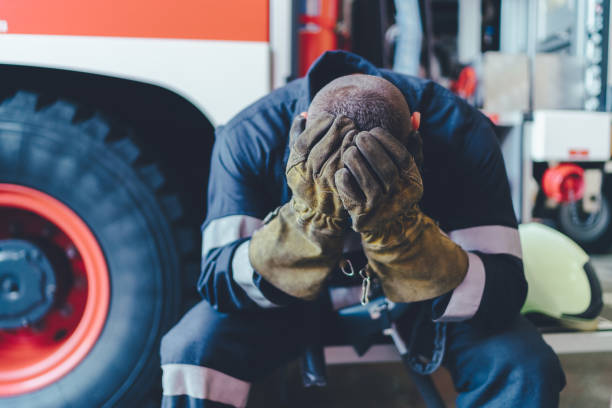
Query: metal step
x: 562, y: 341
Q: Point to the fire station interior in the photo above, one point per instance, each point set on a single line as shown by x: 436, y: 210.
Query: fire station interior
x: 103, y: 193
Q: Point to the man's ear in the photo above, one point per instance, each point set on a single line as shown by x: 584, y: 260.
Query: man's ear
x: 413, y: 141
x: 415, y: 120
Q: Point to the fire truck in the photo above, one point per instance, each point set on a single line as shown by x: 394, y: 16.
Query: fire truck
x: 107, y: 111
x: 107, y: 116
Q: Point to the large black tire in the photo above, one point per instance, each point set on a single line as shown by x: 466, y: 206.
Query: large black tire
x: 591, y: 231
x: 93, y: 166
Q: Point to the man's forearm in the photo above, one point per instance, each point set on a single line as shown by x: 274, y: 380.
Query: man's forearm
x: 227, y: 280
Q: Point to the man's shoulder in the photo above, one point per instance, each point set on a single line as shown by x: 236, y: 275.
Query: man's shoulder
x: 269, y: 111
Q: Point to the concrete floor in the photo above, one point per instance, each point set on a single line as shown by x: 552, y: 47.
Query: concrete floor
x: 387, y: 385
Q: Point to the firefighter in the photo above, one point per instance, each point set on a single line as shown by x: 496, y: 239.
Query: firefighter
x: 292, y: 195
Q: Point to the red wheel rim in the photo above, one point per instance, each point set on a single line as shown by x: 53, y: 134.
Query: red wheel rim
x: 34, y: 357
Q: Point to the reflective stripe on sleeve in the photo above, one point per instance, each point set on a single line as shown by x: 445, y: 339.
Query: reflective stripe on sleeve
x: 225, y: 230
x: 466, y: 297
x: 243, y: 276
x: 490, y: 239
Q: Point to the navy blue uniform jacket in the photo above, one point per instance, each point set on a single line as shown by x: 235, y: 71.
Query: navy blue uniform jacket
x: 466, y: 191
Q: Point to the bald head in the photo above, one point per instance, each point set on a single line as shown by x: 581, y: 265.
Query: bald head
x: 369, y: 101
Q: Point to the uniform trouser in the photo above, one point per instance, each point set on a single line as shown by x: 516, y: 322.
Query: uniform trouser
x: 209, y: 359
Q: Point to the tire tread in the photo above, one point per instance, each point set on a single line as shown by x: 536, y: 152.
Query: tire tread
x: 122, y: 142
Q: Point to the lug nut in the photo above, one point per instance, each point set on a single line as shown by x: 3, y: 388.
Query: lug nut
x: 60, y: 334
x: 33, y: 255
x: 71, y: 252
x: 66, y: 310
x: 50, y: 290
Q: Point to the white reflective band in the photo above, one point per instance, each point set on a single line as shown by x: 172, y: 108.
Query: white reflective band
x: 228, y: 229
x: 204, y: 383
x: 243, y: 276
x: 490, y: 239
x: 466, y: 297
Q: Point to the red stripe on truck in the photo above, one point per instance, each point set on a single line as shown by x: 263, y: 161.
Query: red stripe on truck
x: 233, y: 20
x: 578, y: 153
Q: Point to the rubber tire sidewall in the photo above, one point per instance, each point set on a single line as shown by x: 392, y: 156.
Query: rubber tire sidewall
x: 63, y: 161
x: 596, y: 239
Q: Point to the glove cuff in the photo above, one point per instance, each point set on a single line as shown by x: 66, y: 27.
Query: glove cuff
x: 421, y: 263
x: 296, y: 258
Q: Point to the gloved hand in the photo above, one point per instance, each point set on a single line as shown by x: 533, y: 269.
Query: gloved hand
x: 381, y: 187
x: 298, y: 248
x: 313, y: 161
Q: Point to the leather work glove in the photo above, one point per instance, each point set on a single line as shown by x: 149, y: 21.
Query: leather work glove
x: 381, y: 187
x: 298, y: 248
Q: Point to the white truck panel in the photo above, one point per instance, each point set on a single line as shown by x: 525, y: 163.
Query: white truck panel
x: 565, y: 135
x: 219, y: 77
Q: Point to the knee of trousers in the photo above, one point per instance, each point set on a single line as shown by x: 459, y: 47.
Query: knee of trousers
x: 526, y: 361
x: 197, y: 339
x: 176, y: 348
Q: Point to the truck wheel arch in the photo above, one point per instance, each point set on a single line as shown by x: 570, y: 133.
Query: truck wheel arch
x: 167, y: 122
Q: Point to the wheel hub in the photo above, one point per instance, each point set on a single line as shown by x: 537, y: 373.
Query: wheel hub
x: 27, y: 284
x: 54, y: 290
